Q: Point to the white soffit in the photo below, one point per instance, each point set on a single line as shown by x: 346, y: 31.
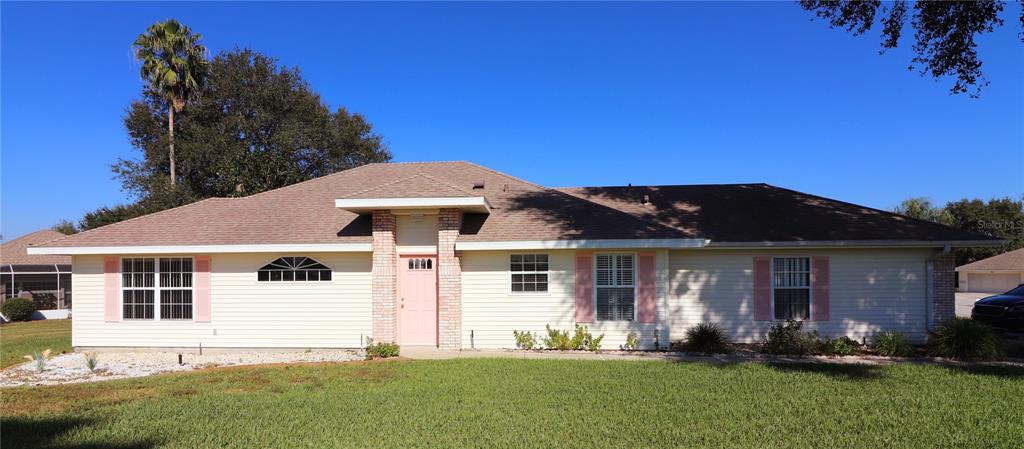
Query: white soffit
x: 477, y: 204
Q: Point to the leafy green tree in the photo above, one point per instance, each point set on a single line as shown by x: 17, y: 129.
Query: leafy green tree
x: 255, y: 127
x: 944, y: 32
x: 922, y: 209
x: 65, y: 227
x: 174, y: 65
x: 1002, y: 217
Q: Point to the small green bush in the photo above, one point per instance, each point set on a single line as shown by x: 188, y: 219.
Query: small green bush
x: 707, y: 338
x: 892, y: 344
x: 525, y: 339
x: 840, y: 346
x: 965, y: 339
x: 18, y: 309
x: 381, y: 350
x: 788, y: 339
x: 632, y: 341
x: 580, y: 339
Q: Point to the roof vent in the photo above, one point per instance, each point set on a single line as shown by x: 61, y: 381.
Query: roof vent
x: 504, y: 187
x: 646, y: 200
x: 478, y: 185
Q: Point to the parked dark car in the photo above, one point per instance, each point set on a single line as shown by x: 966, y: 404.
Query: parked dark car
x: 1005, y: 310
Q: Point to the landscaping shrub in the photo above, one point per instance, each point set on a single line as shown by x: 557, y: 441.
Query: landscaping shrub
x: 840, y: 346
x: 525, y: 339
x: 707, y: 338
x: 39, y: 358
x: 965, y: 339
x: 18, y: 309
x: 91, y: 361
x: 580, y: 339
x: 632, y: 341
x: 788, y: 339
x: 380, y: 350
x: 892, y: 344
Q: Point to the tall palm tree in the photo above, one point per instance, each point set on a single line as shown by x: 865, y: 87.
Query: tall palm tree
x: 174, y: 63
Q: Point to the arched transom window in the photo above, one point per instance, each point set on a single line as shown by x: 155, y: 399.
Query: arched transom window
x: 292, y: 269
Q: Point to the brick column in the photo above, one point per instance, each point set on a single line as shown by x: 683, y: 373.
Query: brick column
x: 449, y: 280
x: 943, y: 293
x: 385, y: 277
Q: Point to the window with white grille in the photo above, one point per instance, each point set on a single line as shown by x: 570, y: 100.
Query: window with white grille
x: 293, y: 269
x: 615, y: 276
x: 154, y: 289
x: 791, y: 287
x: 529, y: 272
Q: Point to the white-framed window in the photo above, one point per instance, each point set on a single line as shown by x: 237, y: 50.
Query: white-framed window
x: 615, y: 282
x: 293, y: 269
x: 791, y: 288
x: 156, y: 288
x: 529, y: 273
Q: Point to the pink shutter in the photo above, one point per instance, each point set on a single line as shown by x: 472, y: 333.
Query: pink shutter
x: 111, y: 289
x: 202, y: 289
x: 646, y: 289
x: 584, y: 288
x: 762, y: 288
x: 819, y: 288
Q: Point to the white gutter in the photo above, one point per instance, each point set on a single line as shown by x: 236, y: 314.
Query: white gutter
x: 580, y: 244
x: 929, y: 275
x: 204, y: 249
x: 857, y: 244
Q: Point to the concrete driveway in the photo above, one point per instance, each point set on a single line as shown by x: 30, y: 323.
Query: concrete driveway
x: 964, y: 302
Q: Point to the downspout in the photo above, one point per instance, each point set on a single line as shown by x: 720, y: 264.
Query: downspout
x: 929, y: 274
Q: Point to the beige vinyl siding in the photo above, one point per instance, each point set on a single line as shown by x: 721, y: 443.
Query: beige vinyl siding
x: 245, y: 313
x: 490, y: 311
x: 871, y: 290
x: 416, y: 232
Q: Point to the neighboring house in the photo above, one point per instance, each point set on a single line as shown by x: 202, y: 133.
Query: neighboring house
x: 997, y: 274
x: 44, y: 278
x: 455, y: 255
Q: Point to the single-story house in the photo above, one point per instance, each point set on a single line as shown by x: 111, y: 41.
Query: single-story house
x: 46, y: 278
x: 997, y: 274
x: 458, y: 256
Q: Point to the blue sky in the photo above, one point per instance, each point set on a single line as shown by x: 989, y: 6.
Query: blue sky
x: 561, y: 94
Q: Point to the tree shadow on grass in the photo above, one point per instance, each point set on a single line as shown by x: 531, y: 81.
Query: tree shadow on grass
x: 44, y: 433
x: 841, y: 371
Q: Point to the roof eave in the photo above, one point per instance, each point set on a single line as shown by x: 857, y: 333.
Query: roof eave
x: 473, y: 204
x: 203, y: 249
x: 859, y: 244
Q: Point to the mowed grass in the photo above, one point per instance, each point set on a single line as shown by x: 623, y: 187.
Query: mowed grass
x: 497, y: 403
x: 20, y: 339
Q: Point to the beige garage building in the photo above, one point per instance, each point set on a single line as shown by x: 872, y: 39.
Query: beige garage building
x: 996, y: 274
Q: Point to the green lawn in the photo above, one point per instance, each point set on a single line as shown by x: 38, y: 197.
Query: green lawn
x: 20, y: 339
x: 528, y: 403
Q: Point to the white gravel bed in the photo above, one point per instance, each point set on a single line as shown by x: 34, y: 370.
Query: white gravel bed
x: 70, y: 368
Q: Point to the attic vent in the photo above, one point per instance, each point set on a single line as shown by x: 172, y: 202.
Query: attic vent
x: 478, y: 185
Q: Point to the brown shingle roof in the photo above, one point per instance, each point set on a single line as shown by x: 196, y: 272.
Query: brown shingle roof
x: 520, y: 210
x: 765, y: 213
x: 13, y: 252
x: 1008, y: 261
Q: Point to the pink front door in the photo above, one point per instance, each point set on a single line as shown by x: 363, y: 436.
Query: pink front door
x: 417, y: 303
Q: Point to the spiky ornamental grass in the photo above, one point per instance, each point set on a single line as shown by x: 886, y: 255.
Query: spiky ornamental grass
x: 965, y: 339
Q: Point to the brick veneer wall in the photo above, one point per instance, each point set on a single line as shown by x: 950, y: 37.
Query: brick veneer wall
x: 449, y: 280
x: 385, y: 276
x: 943, y: 284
